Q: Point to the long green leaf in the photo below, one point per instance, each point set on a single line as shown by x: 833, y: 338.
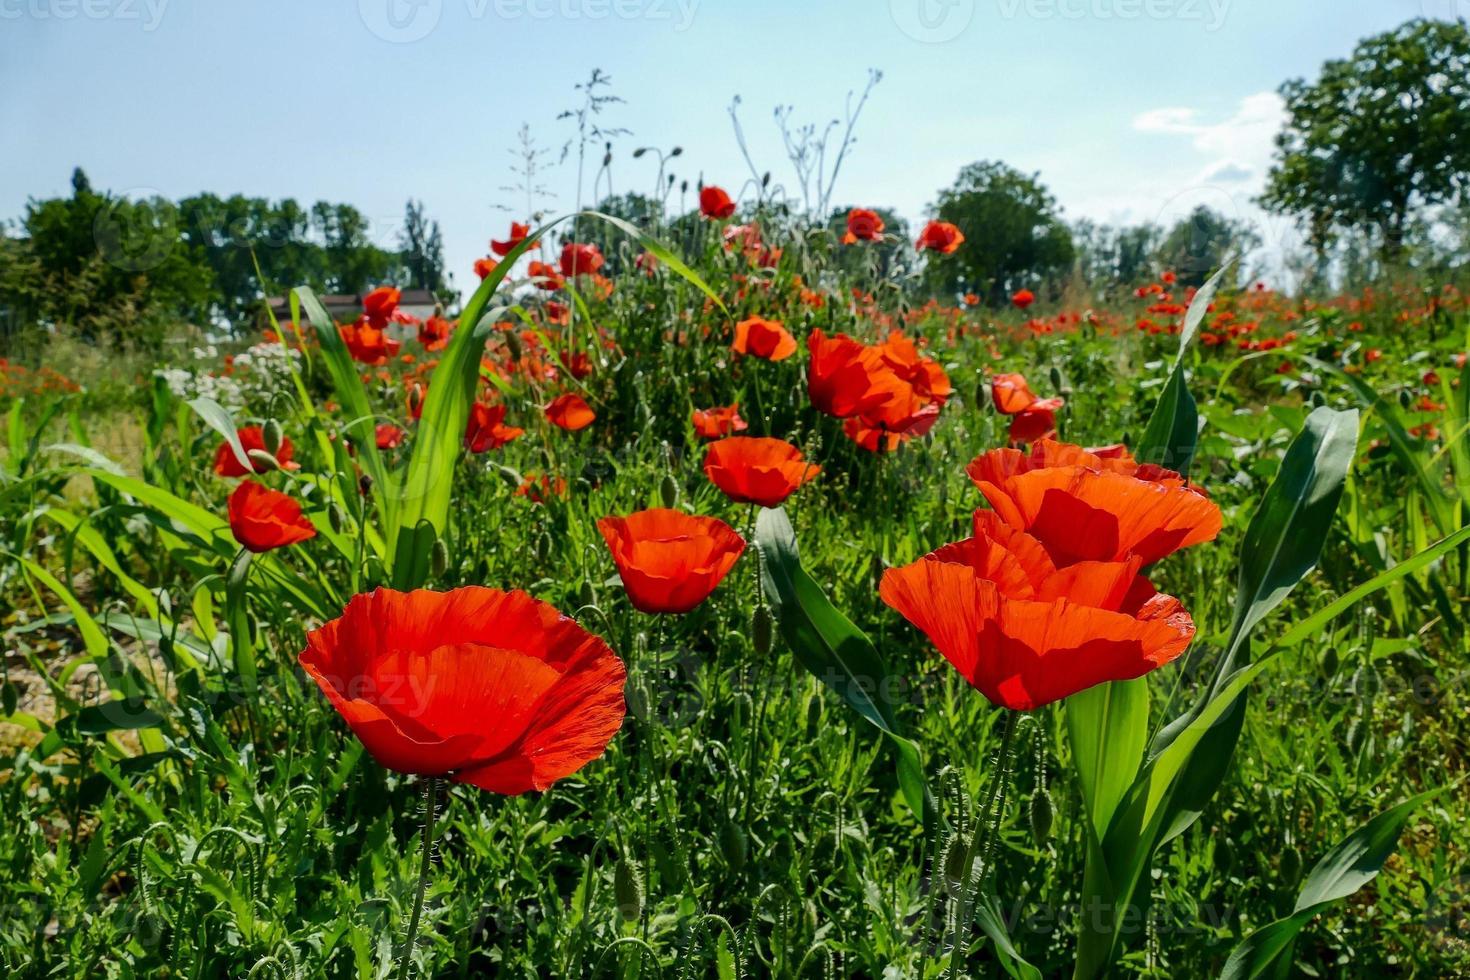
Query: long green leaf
x: 1107, y: 727
x: 1349, y: 866
x: 829, y: 646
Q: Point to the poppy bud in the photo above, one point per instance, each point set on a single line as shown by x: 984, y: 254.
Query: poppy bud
x: 606, y: 159
x: 953, y: 862
x: 1404, y: 400
x: 513, y: 344
x: 336, y: 517
x: 639, y: 699
x: 1041, y: 814
x: 676, y: 151
x: 639, y: 152
x: 364, y: 484
x: 684, y: 187
x: 760, y: 630
x: 668, y: 491
x: 272, y: 435
x: 814, y: 713
x: 543, y: 548
x: 9, y: 698
x: 588, y: 597
x: 1056, y: 379
x: 734, y: 845
x: 1291, y: 866
x: 766, y: 179
x: 1329, y: 663
x: 262, y: 461
x: 1224, y: 856
x: 439, y: 558
x: 628, y: 890
x: 510, y: 476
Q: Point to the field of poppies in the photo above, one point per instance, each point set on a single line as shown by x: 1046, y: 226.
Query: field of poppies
x: 702, y: 606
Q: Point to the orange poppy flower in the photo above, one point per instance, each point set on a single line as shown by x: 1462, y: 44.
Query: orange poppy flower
x: 492, y: 688
x: 1085, y: 507
x: 434, y: 333
x: 544, y: 275
x: 580, y: 260
x: 389, y: 436
x: 1026, y: 633
x: 226, y: 463
x: 518, y: 234
x: 670, y: 561
x: 368, y: 344
x: 1023, y: 298
x: 570, y: 412
x: 539, y: 488
x: 262, y: 518
x: 1037, y: 422
x: 763, y: 338
x: 714, y: 202
x: 757, y: 471
x: 846, y: 377
x: 486, y: 429
x: 379, y: 305
x: 941, y: 236
x: 484, y: 266
x: 863, y: 225
x: 713, y: 423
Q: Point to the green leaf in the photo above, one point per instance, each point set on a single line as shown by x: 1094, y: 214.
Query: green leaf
x: 1345, y: 869
x: 829, y: 646
x: 219, y: 420
x: 1107, y: 727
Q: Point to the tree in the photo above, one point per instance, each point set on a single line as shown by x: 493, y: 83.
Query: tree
x: 1377, y: 136
x: 423, y: 249
x: 1014, y: 234
x: 1201, y: 242
x: 1110, y: 258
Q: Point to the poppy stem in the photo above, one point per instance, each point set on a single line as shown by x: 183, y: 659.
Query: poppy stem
x: 431, y: 794
x: 983, y: 839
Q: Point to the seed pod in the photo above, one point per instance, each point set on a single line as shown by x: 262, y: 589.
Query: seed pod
x: 439, y: 558
x: 1291, y: 866
x: 272, y: 436
x: 1329, y: 662
x: 1056, y: 379
x: 760, y: 630
x: 628, y: 890
x: 588, y: 597
x: 814, y: 712
x: 734, y: 845
x: 638, y: 699
x: 262, y: 461
x: 336, y: 517
x: 1224, y: 856
x: 668, y: 491
x: 9, y: 698
x: 1041, y: 816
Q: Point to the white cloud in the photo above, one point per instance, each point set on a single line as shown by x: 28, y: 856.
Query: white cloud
x: 1240, y: 147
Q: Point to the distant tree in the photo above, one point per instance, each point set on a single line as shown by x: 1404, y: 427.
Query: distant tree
x: 1111, y: 258
x: 1377, y: 136
x: 1014, y: 234
x: 1200, y: 243
x: 423, y: 249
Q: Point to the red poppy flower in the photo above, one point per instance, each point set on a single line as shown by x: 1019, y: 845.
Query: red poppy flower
x: 763, y: 338
x: 389, y: 436
x: 379, y: 305
x: 485, y: 266
x: 262, y: 519
x: 580, y: 260
x: 414, y: 396
x: 1083, y: 507
x: 492, y: 688
x: 570, y: 412
x: 577, y: 363
x: 670, y: 561
x: 518, y: 234
x: 1037, y: 422
x: 486, y: 428
x: 1026, y: 633
x: 1013, y: 396
x: 434, y: 333
x: 1023, y: 299
x: 251, y: 437
x: 847, y: 377
x: 757, y: 471
x: 368, y: 344
x: 714, y: 202
x: 647, y: 262
x: 541, y: 488
x: 544, y: 275
x: 862, y: 226
x: 713, y: 423
x: 941, y: 236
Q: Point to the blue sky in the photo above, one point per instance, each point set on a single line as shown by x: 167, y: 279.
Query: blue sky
x: 1130, y: 109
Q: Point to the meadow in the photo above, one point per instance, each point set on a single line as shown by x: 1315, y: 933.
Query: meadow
x: 755, y: 733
